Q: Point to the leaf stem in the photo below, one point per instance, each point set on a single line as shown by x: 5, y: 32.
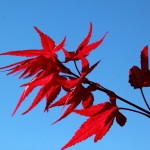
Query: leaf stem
x: 144, y: 98
x: 76, y: 67
x: 139, y: 112
x: 132, y: 104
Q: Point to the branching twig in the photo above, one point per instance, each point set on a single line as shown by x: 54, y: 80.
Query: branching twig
x: 105, y: 90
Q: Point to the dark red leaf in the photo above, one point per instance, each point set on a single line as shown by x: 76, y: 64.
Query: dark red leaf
x: 144, y: 59
x: 135, y: 77
x: 139, y: 78
x: 121, y: 119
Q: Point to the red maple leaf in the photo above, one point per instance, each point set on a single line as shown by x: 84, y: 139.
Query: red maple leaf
x: 41, y: 59
x: 101, y: 117
x: 46, y: 67
x: 73, y: 98
x: 32, y: 66
x: 84, y: 48
x: 48, y: 50
x: 50, y: 88
x: 139, y: 78
x: 78, y: 93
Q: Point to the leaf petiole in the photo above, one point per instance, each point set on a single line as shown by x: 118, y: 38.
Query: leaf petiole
x: 76, y: 67
x: 144, y: 98
x: 136, y: 111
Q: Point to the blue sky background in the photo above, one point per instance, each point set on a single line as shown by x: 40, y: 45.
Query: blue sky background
x: 128, y: 24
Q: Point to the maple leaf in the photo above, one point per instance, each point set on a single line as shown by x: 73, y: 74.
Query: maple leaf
x: 84, y: 48
x: 48, y: 47
x: 32, y: 66
x: 139, y: 78
x: 43, y: 69
x: 78, y: 93
x: 50, y: 88
x: 40, y: 58
x: 101, y: 118
x: 43, y: 65
x: 73, y: 99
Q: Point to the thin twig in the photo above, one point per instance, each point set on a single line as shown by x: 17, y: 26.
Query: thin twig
x: 144, y: 98
x: 76, y: 67
x: 136, y: 111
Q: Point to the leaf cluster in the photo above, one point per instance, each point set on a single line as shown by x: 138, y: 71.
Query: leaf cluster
x: 52, y: 76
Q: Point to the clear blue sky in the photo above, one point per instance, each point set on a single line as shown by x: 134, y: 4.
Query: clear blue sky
x: 128, y: 24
